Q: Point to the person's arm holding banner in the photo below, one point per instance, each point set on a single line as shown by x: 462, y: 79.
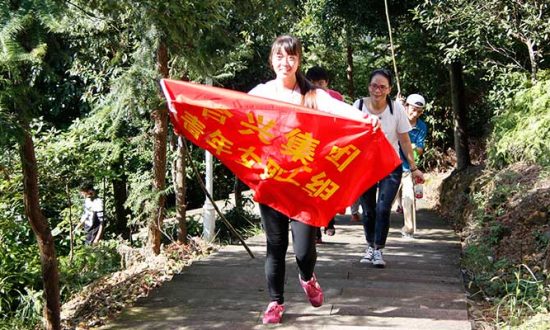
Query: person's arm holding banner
x: 284, y: 140
x: 331, y: 105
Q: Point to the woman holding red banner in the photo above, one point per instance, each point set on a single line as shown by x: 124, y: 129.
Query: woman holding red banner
x: 290, y: 85
x: 396, y: 127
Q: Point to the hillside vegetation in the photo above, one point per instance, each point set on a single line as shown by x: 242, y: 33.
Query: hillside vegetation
x: 501, y: 211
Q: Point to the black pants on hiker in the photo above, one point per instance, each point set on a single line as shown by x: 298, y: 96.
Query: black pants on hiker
x: 276, y: 231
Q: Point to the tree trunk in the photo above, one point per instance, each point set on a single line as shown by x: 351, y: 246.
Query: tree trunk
x: 71, y: 228
x: 160, y: 133
x: 238, y: 188
x: 459, y: 116
x: 181, y: 204
x: 531, y: 48
x: 40, y: 227
x: 120, y: 195
x: 349, y: 71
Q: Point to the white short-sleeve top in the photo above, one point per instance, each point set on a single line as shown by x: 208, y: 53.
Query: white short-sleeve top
x: 392, y: 124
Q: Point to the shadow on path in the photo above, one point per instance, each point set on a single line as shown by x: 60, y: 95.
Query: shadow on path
x: 420, y: 288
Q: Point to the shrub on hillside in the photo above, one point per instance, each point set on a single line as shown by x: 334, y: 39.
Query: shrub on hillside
x: 502, y: 217
x: 521, y: 132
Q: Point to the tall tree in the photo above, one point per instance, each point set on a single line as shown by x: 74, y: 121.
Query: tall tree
x: 179, y: 166
x: 40, y: 227
x: 507, y: 33
x: 459, y: 116
x: 24, y: 52
x: 167, y: 39
x: 354, y: 30
x: 160, y: 133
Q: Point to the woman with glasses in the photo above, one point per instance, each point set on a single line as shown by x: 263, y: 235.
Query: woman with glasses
x: 395, y: 125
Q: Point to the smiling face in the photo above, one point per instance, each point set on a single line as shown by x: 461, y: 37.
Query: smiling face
x: 284, y: 64
x: 379, y: 87
x: 285, y: 57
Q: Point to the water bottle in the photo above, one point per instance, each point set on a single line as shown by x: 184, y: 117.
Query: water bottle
x: 418, y: 189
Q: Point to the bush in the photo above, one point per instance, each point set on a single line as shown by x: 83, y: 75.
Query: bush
x: 88, y: 264
x: 245, y: 222
x: 522, y: 131
x: 502, y: 216
x: 20, y: 271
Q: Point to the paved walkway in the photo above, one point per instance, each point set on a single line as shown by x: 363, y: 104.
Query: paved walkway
x: 420, y: 288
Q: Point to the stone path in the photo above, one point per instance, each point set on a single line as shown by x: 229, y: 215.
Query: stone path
x: 420, y: 288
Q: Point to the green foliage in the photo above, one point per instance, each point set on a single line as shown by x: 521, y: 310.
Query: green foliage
x: 17, y: 324
x: 504, y: 30
x: 481, y: 268
x: 171, y: 228
x: 20, y: 280
x: 522, y: 129
x: 516, y: 293
x: 88, y: 264
x: 30, y: 307
x: 20, y: 271
x: 246, y: 222
x: 526, y: 294
x: 504, y: 255
x: 495, y: 40
x: 85, y: 76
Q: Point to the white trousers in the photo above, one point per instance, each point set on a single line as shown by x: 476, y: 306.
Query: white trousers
x: 405, y: 198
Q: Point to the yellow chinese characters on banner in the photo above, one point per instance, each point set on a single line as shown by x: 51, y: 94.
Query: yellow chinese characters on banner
x: 298, y: 145
x: 256, y: 125
x: 301, y: 162
x: 343, y: 156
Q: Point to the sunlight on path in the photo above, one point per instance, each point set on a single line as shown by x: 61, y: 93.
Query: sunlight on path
x: 421, y: 287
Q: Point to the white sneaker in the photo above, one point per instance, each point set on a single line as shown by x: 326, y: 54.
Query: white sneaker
x: 367, y: 258
x: 377, y: 260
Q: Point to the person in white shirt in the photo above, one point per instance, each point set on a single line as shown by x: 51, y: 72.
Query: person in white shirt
x: 291, y: 86
x: 376, y: 202
x: 92, y: 218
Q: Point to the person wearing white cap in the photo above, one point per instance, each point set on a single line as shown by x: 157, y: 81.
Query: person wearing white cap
x: 414, y: 106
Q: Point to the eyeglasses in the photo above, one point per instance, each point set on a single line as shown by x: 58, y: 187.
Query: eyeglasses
x: 380, y: 87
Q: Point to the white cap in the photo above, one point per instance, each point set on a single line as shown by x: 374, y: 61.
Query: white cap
x: 416, y: 100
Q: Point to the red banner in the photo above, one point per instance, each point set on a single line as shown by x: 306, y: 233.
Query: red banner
x: 304, y: 163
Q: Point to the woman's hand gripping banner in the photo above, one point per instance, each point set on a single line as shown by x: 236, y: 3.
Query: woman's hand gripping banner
x: 304, y: 163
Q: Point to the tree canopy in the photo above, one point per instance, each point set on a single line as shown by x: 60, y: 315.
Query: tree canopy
x: 80, y: 101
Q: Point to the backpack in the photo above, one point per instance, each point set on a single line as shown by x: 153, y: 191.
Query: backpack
x: 360, y: 107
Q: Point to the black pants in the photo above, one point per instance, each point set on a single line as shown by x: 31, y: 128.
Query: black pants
x: 276, y: 230
x: 91, y: 233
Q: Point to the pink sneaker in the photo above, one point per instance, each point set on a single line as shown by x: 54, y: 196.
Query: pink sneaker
x: 273, y: 313
x: 313, y: 291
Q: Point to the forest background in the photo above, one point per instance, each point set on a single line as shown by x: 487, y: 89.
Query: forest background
x: 80, y: 101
